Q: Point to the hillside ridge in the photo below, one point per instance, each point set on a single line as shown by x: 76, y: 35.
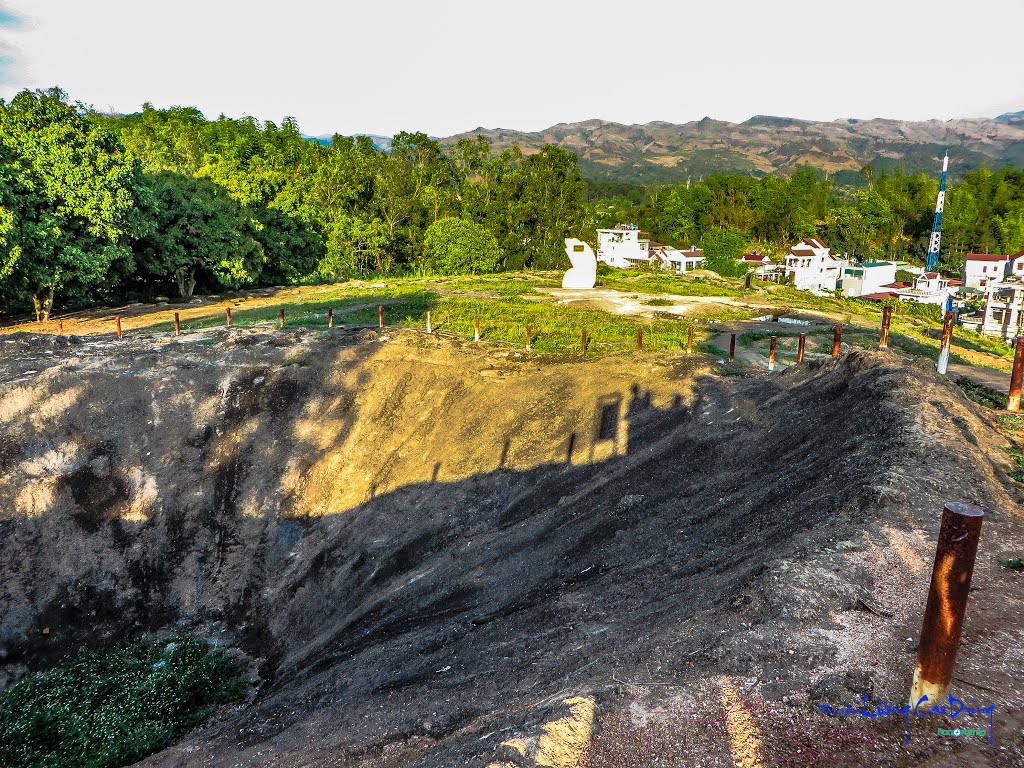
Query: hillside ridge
x: 659, y: 151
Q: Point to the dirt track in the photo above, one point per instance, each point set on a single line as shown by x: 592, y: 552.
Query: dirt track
x: 443, y: 555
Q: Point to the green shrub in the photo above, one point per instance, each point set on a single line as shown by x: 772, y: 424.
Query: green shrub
x: 458, y: 247
x: 113, y: 708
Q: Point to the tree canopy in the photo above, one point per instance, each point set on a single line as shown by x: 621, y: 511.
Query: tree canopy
x: 97, y: 207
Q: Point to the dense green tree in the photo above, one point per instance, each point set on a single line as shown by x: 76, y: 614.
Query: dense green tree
x: 722, y: 249
x: 455, y: 246
x: 70, y: 200
x: 200, y: 236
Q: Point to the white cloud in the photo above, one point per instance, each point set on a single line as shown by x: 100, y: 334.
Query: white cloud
x: 456, y: 64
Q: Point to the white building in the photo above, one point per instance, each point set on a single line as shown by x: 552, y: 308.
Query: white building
x: 1003, y: 315
x: 928, y: 288
x: 811, y: 267
x: 627, y: 246
x: 867, y: 278
x: 678, y: 261
x: 980, y: 269
x: 623, y: 247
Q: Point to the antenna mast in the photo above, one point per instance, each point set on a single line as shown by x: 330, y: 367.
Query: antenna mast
x: 936, y: 239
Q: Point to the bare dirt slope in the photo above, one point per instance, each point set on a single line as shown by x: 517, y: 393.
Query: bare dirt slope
x: 439, y: 554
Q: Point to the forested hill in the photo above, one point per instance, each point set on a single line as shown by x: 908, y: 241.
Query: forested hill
x: 664, y: 152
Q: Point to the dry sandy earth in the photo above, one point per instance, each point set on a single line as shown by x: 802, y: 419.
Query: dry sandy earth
x: 441, y: 554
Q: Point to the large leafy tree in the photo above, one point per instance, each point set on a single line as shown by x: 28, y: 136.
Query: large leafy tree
x: 455, y: 246
x: 200, y: 236
x: 70, y: 199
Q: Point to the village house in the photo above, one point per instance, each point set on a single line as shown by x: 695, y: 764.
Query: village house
x: 868, y: 278
x: 626, y: 246
x: 811, y: 267
x: 980, y: 269
x: 928, y: 288
x: 677, y: 260
x: 1003, y: 314
x: 763, y: 267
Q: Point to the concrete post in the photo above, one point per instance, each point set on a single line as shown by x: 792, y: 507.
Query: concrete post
x: 1017, y: 377
x: 800, y: 347
x: 883, y: 339
x: 430, y: 323
x: 947, y: 601
x: 837, y: 340
x: 177, y: 324
x: 771, y: 355
x: 732, y: 347
x: 947, y: 341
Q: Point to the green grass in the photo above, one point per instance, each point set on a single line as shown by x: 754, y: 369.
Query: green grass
x: 658, y: 303
x: 982, y: 395
x: 102, y: 710
x: 680, y: 285
x: 556, y: 328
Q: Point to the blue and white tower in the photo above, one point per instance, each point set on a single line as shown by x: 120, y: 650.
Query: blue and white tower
x: 936, y: 239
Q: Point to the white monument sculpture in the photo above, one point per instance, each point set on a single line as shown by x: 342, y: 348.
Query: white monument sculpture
x: 583, y: 273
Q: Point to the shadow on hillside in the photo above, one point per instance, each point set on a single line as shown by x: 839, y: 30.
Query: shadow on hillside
x: 442, y: 608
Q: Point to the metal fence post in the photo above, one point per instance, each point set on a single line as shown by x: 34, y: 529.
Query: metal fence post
x: 946, y: 343
x: 947, y: 600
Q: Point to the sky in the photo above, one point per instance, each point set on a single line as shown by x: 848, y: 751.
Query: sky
x: 449, y: 66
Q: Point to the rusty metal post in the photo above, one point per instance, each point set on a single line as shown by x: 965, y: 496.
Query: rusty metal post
x: 228, y: 313
x: 119, y: 326
x: 947, y: 600
x: 476, y: 329
x: 732, y: 347
x: 837, y: 340
x: 883, y: 339
x: 430, y: 321
x: 177, y: 324
x: 947, y: 341
x: 280, y: 318
x: 771, y: 355
x: 800, y: 347
x: 1017, y: 377
x: 60, y: 327
x: 529, y: 336
x: 640, y: 339
x: 583, y: 341
x: 380, y: 316
x: 330, y: 317
x: 689, y: 341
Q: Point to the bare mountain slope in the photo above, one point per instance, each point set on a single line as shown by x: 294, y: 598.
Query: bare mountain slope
x: 661, y: 151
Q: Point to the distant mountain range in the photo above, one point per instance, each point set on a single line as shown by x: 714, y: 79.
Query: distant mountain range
x: 666, y: 152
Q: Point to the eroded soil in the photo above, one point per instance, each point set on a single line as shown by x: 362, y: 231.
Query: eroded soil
x: 442, y: 554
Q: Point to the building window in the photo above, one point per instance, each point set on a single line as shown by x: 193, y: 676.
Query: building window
x: 997, y: 315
